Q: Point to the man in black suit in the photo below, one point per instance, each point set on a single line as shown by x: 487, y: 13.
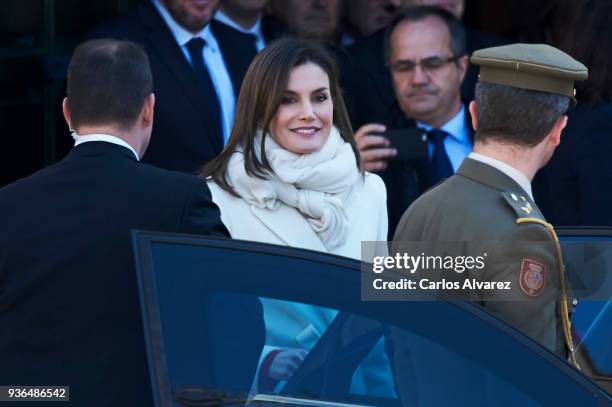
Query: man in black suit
x: 427, y: 60
x: 198, y: 69
x: 69, y: 308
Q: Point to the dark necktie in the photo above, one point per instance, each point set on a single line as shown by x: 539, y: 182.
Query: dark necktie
x: 440, y: 163
x: 195, y: 47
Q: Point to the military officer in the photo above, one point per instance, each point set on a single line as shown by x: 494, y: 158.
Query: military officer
x: 522, y: 95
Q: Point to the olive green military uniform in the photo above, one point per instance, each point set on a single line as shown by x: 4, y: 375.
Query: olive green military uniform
x: 482, y: 204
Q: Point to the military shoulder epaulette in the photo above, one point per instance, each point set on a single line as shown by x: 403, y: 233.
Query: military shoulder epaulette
x: 519, y: 203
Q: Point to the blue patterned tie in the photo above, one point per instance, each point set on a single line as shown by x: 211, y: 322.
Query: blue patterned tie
x: 441, y: 167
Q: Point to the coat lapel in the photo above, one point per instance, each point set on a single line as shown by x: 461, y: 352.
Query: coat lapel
x: 290, y: 227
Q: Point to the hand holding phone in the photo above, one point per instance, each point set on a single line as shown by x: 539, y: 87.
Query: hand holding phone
x: 410, y: 143
x: 374, y: 148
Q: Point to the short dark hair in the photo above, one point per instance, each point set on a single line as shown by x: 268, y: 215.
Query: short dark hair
x: 518, y: 116
x: 108, y: 81
x: 260, y: 97
x: 419, y: 13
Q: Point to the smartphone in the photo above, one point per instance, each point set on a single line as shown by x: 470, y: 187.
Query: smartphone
x: 410, y: 143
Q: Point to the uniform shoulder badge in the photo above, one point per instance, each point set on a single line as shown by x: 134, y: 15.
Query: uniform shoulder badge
x: 519, y: 203
x: 532, y: 278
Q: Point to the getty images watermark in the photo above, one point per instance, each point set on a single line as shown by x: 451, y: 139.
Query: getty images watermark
x: 471, y: 270
x: 486, y: 270
x: 414, y: 264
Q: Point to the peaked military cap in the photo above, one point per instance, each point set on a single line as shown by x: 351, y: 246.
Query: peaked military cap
x: 530, y: 66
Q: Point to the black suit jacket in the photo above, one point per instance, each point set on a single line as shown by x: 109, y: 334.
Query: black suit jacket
x: 185, y: 135
x: 69, y: 305
x: 366, y: 80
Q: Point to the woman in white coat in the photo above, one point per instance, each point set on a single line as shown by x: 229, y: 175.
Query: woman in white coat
x: 290, y: 175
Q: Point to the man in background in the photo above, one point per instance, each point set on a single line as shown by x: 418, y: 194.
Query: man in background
x: 197, y: 73
x: 427, y: 59
x: 367, y: 82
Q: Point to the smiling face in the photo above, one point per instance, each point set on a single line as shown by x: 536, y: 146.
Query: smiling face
x: 193, y: 15
x: 304, y: 117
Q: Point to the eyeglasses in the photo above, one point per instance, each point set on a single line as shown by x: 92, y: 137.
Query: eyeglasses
x: 427, y: 65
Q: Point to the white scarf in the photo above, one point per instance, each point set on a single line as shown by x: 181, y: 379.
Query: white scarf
x: 316, y: 184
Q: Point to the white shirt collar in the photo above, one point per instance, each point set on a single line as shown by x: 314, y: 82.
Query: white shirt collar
x: 455, y: 127
x: 78, y: 139
x: 181, y: 35
x: 507, y: 169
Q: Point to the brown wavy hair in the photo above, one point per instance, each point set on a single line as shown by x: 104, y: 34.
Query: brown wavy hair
x: 260, y: 96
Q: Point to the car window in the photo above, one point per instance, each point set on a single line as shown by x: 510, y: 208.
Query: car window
x: 212, y: 308
x: 362, y: 360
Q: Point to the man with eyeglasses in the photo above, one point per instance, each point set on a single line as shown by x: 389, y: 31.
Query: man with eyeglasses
x: 425, y: 52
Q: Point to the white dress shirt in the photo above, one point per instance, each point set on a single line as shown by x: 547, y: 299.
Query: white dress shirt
x: 457, y: 144
x: 213, y: 59
x: 107, y: 138
x: 507, y: 169
x: 255, y: 30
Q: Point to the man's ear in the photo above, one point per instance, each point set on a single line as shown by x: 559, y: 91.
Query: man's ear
x: 463, y: 63
x: 555, y: 133
x: 473, y: 114
x: 66, y: 112
x: 148, y: 109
